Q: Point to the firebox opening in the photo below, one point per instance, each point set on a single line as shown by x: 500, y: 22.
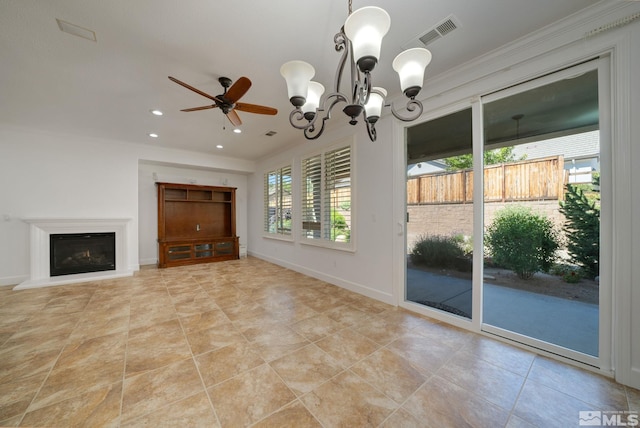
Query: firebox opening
x: 72, y: 253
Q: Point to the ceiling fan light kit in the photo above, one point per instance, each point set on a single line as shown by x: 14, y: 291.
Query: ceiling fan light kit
x: 359, y: 40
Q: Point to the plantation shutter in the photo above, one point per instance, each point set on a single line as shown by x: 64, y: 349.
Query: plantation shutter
x: 278, y: 201
x: 311, y: 197
x: 337, y: 190
x: 285, y: 202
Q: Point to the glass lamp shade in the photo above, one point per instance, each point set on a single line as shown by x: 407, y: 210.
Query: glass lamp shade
x: 313, y: 98
x: 410, y: 66
x: 373, y: 108
x: 297, y: 74
x: 365, y: 28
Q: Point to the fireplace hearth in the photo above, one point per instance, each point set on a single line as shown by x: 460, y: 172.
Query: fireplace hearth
x: 40, y: 231
x: 73, y: 253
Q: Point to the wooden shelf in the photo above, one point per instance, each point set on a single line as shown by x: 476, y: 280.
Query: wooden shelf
x: 196, y: 224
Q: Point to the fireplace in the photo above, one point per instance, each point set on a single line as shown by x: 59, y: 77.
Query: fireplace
x: 72, y: 253
x: 43, y: 272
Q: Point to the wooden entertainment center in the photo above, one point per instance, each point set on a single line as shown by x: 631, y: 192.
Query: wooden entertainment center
x: 196, y: 224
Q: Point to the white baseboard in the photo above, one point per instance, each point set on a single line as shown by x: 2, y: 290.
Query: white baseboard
x: 13, y: 280
x: 349, y: 285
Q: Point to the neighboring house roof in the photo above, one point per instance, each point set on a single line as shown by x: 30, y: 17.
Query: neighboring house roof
x: 576, y: 146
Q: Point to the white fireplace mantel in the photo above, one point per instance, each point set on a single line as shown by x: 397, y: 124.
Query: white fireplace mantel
x: 42, y: 228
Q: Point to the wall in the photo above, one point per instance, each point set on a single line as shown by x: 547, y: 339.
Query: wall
x: 44, y: 175
x: 367, y: 269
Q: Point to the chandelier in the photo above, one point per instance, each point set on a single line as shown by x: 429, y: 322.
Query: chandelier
x: 359, y: 40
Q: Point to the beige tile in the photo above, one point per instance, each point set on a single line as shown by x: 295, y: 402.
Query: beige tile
x: 153, y: 390
x: 203, y: 321
x: 499, y: 386
x: 84, y: 366
x: 274, y: 341
x: 306, y: 368
x: 368, y: 305
x: 390, y: 374
x: 294, y: 415
x: 348, y: 401
x: 633, y: 397
x: 440, y: 403
x: 98, y: 407
x: 155, y: 346
x: 347, y: 316
x: 249, y: 397
x: 594, y: 389
x: 317, y: 327
x: 16, y: 395
x: 213, y: 338
x: 17, y: 362
x: 403, y: 317
x: 194, y: 304
x: 381, y: 331
x: 542, y: 406
x: 448, y: 335
x: 193, y: 411
x: 517, y: 422
x: 426, y: 355
x: 402, y: 419
x: 227, y: 362
x: 347, y: 346
x: 102, y: 322
x: 501, y: 354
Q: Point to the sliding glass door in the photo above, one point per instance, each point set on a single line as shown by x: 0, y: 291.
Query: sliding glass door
x: 537, y: 230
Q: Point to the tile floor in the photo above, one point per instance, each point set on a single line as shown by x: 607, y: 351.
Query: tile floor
x: 248, y: 343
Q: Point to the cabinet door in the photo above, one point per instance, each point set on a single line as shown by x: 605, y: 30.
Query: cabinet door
x: 178, y: 252
x: 224, y: 248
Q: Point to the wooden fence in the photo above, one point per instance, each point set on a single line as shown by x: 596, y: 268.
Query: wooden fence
x: 539, y: 179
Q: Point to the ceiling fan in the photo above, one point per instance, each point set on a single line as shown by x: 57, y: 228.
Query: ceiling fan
x: 228, y: 100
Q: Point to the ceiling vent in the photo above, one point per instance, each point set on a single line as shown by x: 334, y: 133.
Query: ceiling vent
x: 439, y: 30
x: 76, y: 30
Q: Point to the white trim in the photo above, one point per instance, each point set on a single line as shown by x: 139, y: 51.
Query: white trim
x: 42, y: 228
x: 349, y: 285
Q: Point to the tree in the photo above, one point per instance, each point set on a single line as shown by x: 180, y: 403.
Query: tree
x: 491, y: 157
x: 582, y: 228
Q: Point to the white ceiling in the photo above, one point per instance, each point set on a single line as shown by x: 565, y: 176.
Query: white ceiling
x: 53, y: 81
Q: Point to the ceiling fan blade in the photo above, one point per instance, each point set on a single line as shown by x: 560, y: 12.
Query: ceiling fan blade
x: 238, y: 89
x: 234, y: 118
x: 200, y: 108
x: 254, y: 108
x: 197, y: 91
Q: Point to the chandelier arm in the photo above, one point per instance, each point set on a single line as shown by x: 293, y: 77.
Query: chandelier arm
x: 298, y: 121
x: 413, y: 105
x: 341, y: 44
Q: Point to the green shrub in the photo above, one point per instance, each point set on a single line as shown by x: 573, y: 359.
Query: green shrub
x: 436, y: 251
x: 339, y: 227
x: 522, y: 241
x: 569, y: 273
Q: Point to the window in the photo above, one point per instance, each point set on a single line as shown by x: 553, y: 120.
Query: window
x: 277, y: 202
x: 326, y: 198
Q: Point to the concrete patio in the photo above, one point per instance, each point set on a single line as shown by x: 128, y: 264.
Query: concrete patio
x: 563, y: 322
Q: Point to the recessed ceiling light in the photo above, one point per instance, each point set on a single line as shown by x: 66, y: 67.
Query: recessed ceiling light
x: 156, y: 112
x: 153, y: 135
x: 219, y: 146
x: 237, y: 130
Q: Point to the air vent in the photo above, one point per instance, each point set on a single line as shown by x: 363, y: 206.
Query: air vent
x: 270, y: 133
x: 440, y: 30
x: 76, y: 30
